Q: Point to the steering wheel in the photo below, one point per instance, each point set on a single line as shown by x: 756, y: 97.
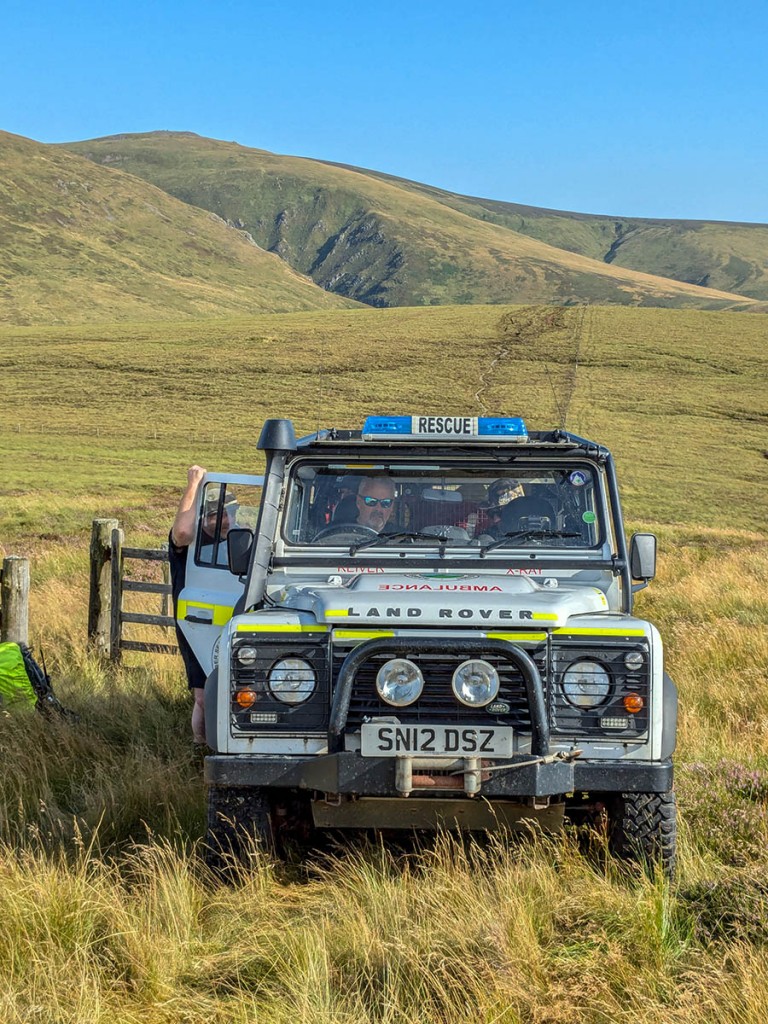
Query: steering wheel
x: 355, y: 531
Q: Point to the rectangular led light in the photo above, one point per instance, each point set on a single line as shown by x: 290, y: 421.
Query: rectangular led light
x: 614, y: 723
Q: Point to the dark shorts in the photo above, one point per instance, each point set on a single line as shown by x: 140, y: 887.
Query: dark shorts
x: 195, y: 674
x: 178, y: 560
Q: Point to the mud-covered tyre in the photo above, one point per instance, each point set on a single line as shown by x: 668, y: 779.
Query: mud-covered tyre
x: 237, y: 816
x: 643, y: 827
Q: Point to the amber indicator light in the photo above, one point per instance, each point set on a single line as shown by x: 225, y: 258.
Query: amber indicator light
x: 245, y: 698
x: 633, y: 703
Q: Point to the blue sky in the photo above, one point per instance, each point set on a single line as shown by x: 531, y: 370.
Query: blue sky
x: 645, y: 109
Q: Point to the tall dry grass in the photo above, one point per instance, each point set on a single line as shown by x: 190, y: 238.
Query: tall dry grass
x: 451, y: 933
x: 108, y: 914
x: 711, y: 603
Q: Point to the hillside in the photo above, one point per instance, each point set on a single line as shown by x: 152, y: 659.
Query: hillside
x: 80, y: 242
x: 717, y: 254
x: 377, y: 240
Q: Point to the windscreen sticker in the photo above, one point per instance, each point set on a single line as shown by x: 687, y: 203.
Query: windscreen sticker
x: 360, y: 570
x: 588, y: 517
x: 482, y: 588
x: 577, y: 478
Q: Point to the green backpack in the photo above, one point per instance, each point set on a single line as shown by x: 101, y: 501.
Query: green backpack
x: 23, y: 683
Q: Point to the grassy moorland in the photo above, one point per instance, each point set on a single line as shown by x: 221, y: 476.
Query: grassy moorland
x: 96, y: 420
x: 108, y: 914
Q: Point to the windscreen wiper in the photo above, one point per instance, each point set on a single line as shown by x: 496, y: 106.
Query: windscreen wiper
x: 522, y: 535
x: 384, y: 538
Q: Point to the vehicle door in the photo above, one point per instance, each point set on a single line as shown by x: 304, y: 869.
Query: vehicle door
x: 206, y: 602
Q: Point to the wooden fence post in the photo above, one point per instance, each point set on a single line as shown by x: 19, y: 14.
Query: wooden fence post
x: 165, y: 608
x: 99, y: 605
x: 14, y: 600
x: 116, y: 587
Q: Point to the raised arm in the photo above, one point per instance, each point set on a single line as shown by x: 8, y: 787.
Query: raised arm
x: 183, y: 529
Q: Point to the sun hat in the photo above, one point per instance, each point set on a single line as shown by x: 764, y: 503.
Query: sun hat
x: 212, y: 497
x: 501, y: 492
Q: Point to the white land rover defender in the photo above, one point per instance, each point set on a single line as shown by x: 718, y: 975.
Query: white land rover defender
x: 434, y: 628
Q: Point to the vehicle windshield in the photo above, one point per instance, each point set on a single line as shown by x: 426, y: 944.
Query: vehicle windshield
x: 383, y: 505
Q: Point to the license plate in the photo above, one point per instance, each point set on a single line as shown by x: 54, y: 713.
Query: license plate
x: 386, y: 739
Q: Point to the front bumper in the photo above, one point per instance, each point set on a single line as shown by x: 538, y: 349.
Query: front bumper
x: 347, y: 772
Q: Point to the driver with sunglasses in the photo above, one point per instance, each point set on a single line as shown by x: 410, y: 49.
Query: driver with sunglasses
x: 375, y: 500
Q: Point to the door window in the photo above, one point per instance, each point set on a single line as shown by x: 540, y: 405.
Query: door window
x: 224, y: 506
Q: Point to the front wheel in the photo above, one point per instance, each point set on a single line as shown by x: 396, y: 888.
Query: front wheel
x: 643, y: 826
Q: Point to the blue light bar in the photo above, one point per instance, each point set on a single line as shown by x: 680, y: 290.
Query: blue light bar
x: 444, y: 428
x: 385, y: 426
x: 509, y: 426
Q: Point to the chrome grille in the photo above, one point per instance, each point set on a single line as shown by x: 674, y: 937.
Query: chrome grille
x: 437, y: 704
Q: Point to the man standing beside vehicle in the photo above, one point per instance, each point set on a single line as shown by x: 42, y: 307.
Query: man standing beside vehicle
x: 181, y: 536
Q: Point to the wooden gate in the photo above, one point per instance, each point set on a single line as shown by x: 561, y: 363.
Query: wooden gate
x: 106, y: 615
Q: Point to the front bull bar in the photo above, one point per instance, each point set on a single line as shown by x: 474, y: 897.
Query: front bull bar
x: 400, y: 646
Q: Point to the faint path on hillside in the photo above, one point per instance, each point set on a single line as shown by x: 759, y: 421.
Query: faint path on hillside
x: 554, y: 336
x: 579, y: 319
x: 581, y: 377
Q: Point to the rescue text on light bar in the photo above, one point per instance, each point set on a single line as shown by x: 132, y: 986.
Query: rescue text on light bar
x: 508, y: 428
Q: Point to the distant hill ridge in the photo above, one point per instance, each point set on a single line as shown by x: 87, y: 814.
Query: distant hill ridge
x: 387, y: 241
x: 80, y: 242
x: 171, y: 225
x: 731, y: 255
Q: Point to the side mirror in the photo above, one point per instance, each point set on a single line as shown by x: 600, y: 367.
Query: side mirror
x: 642, y: 556
x: 239, y: 544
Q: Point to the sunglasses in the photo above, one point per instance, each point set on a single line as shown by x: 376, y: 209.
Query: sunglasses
x: 373, y: 502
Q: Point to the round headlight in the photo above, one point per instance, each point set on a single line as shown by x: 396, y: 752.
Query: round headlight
x: 634, y: 660
x: 292, y: 680
x: 475, y: 683
x: 246, y: 655
x: 399, y: 682
x: 586, y: 684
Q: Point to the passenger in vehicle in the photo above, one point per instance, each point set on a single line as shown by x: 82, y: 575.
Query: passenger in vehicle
x: 500, y: 494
